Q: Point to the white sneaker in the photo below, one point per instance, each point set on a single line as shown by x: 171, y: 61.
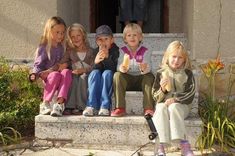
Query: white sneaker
x: 57, y: 109
x: 45, y: 108
x: 89, y: 111
x: 104, y: 112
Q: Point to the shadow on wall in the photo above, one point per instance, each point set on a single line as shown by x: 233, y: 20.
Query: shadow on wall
x: 19, y: 31
x: 22, y: 26
x: 44, y: 7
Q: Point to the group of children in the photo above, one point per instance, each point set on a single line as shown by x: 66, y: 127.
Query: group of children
x: 84, y: 79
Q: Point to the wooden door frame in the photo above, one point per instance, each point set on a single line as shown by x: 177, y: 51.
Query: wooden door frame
x: 165, y: 16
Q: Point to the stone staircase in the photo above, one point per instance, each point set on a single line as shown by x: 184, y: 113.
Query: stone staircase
x: 129, y: 132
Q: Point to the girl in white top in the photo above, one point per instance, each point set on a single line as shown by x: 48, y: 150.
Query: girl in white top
x: 78, y: 57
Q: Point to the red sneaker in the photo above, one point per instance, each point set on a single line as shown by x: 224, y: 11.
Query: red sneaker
x: 148, y: 111
x: 118, y: 112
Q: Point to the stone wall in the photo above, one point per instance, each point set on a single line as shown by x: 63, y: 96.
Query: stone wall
x: 209, y: 25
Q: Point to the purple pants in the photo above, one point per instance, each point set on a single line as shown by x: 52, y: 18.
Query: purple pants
x: 57, y: 81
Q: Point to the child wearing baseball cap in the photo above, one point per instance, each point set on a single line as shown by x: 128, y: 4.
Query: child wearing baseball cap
x: 100, y: 80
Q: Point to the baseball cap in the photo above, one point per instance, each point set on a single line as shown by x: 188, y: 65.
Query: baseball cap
x: 103, y: 30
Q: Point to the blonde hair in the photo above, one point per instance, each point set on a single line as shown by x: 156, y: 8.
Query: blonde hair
x: 46, y: 38
x: 176, y: 46
x: 80, y: 28
x: 132, y: 27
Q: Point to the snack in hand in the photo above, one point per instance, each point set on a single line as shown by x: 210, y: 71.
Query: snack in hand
x: 165, y: 76
x: 126, y: 61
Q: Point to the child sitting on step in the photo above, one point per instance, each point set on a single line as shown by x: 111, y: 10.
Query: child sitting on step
x: 47, y: 67
x: 134, y: 71
x: 79, y: 57
x: 100, y: 80
x: 173, y: 91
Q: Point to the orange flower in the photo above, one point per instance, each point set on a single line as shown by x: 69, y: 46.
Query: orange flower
x: 212, y: 67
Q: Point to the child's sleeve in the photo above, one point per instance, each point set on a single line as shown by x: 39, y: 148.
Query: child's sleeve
x: 158, y: 94
x: 147, y: 59
x: 90, y: 60
x: 120, y: 59
x: 66, y: 57
x: 39, y: 63
x: 111, y: 62
x: 187, y: 96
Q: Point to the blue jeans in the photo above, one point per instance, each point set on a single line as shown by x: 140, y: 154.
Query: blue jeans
x: 100, y: 89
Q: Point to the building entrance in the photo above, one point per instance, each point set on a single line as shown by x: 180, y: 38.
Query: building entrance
x: 107, y: 12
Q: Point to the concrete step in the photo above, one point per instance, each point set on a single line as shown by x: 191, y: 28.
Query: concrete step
x: 103, y: 132
x: 134, y: 104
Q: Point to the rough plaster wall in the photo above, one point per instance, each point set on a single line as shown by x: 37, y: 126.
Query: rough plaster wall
x: 74, y: 11
x: 213, y: 28
x: 227, y: 40
x: 21, y: 24
x: 187, y: 22
x: 175, y: 16
x: 84, y: 14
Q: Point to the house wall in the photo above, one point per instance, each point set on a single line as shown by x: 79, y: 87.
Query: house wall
x: 208, y: 24
x: 22, y: 23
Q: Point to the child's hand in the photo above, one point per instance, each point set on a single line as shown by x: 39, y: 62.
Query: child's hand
x: 62, y: 66
x: 79, y: 71
x: 169, y: 101
x: 32, y: 77
x: 123, y: 69
x: 99, y: 57
x: 142, y: 66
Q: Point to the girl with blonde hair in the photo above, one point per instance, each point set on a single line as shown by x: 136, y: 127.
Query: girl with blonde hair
x: 47, y: 67
x: 173, y: 92
x: 79, y: 58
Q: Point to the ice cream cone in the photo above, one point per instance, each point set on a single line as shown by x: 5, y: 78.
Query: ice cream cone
x: 126, y: 61
x: 165, y: 76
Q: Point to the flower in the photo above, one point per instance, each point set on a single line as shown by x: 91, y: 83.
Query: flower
x: 213, y: 66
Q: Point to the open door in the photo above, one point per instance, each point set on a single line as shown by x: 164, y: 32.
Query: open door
x: 107, y: 11
x: 103, y: 12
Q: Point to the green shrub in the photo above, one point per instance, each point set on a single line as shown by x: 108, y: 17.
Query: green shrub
x: 19, y: 99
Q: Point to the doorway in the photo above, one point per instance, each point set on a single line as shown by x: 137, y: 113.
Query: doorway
x: 107, y: 12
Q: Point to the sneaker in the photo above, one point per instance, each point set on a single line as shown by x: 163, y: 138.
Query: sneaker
x: 148, y: 111
x: 89, y: 111
x: 186, y: 149
x: 76, y: 112
x: 57, y: 109
x: 45, y: 108
x: 118, y: 112
x: 103, y: 112
x: 67, y: 111
x: 161, y: 150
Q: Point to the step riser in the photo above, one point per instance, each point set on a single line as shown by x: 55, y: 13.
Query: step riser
x: 103, y: 131
x: 134, y: 104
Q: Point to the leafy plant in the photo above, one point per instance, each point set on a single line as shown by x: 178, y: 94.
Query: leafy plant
x: 9, y: 135
x: 218, y: 127
x: 19, y: 99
